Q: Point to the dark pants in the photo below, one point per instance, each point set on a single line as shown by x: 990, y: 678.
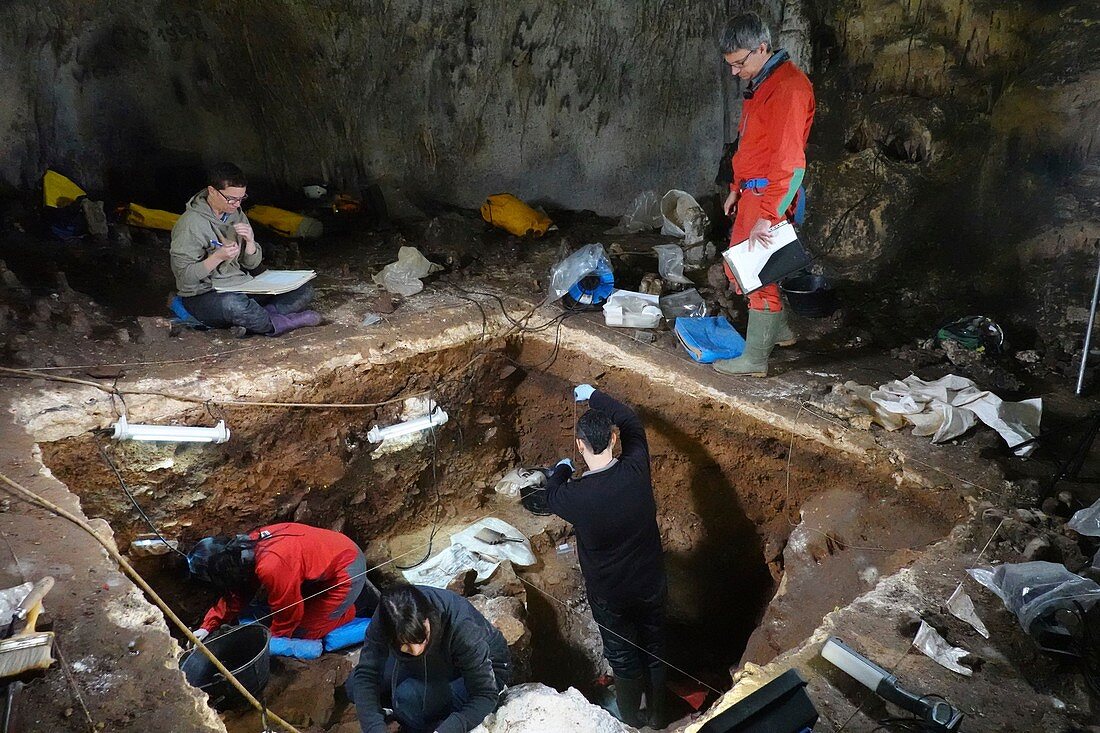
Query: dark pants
x: 222, y: 310
x: 627, y: 626
x: 421, y: 705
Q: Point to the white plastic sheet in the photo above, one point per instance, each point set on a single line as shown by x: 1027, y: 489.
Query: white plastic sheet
x: 466, y: 553
x: 1086, y: 521
x: 403, y: 277
x: 948, y: 407
x: 929, y: 641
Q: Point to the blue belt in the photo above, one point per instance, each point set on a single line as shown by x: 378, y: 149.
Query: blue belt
x: 757, y: 186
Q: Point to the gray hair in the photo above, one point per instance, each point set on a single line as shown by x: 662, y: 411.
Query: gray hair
x: 745, y: 31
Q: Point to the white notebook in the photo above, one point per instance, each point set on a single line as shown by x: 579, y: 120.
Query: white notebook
x: 759, y: 267
x: 272, y: 282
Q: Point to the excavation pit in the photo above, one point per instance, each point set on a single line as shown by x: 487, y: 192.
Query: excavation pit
x: 763, y: 534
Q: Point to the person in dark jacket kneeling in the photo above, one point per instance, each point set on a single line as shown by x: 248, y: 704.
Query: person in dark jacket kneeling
x: 433, y: 659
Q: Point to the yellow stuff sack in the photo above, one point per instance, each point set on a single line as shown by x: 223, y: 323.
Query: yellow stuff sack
x: 140, y: 216
x: 58, y: 191
x: 286, y: 223
x: 505, y: 211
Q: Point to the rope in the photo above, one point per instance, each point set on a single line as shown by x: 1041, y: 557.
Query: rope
x: 37, y: 500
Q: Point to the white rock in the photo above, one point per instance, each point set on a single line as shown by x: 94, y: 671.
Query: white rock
x: 536, y: 708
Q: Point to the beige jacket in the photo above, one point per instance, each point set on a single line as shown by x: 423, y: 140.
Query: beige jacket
x: 193, y: 239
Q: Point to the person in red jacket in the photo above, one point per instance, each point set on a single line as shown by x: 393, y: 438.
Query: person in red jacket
x: 309, y: 578
x: 768, y: 168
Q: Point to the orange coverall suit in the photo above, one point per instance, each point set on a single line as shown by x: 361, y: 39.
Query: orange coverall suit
x: 297, y: 555
x: 775, y: 125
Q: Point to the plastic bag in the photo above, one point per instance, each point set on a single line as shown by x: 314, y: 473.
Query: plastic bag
x: 569, y: 271
x: 670, y: 263
x: 632, y: 310
x: 683, y: 217
x: 513, y: 482
x: 403, y: 277
x: 1086, y: 521
x: 643, y: 213
x: 505, y: 211
x: 1031, y: 589
x: 688, y: 304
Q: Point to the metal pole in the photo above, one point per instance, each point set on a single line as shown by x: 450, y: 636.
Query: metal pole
x: 1088, y: 333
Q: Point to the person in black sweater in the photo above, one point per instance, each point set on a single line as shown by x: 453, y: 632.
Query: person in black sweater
x: 612, y: 510
x: 431, y: 657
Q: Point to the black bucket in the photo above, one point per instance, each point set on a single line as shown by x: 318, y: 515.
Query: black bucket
x: 243, y: 650
x: 809, y: 295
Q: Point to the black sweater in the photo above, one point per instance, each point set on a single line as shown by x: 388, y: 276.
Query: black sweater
x: 614, y: 514
x: 462, y: 643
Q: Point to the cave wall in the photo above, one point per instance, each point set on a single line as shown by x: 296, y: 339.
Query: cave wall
x: 579, y: 106
x: 954, y: 161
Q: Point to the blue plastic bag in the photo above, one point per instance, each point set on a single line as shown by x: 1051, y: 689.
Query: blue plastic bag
x: 709, y: 339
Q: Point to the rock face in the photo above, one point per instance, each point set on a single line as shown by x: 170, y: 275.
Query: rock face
x: 550, y: 101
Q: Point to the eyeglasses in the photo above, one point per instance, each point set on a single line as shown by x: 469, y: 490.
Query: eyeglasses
x: 232, y: 199
x: 738, y: 65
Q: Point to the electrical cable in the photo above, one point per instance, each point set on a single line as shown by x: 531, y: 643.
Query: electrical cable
x: 37, y: 500
x: 133, y: 499
x: 438, y: 508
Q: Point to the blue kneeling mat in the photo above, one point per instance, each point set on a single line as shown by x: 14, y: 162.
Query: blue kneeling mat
x: 709, y: 339
x: 183, y: 316
x: 349, y: 634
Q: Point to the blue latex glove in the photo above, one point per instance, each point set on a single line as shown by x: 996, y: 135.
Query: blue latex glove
x: 349, y: 634
x: 583, y: 392
x: 565, y: 462
x: 281, y: 646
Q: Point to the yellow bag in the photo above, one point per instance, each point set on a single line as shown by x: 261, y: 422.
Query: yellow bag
x: 505, y: 211
x: 286, y: 223
x: 58, y: 191
x: 140, y: 216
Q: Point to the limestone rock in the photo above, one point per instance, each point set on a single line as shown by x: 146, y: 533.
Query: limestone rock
x: 509, y: 616
x: 536, y: 708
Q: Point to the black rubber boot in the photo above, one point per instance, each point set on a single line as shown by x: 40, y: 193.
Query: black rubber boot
x: 628, y: 697
x: 656, y: 705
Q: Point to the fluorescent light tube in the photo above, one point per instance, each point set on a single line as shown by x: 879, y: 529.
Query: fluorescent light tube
x: 432, y: 419
x: 170, y: 433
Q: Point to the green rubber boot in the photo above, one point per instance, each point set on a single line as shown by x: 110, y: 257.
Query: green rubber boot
x: 784, y: 336
x: 753, y: 362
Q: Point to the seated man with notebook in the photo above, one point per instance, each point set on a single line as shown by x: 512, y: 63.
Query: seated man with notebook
x: 768, y: 167
x: 213, y: 247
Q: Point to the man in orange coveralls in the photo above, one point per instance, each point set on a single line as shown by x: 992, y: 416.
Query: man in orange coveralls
x: 768, y: 167
x: 282, y: 566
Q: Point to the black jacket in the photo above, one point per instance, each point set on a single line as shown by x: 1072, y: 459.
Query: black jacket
x: 462, y: 643
x: 614, y: 514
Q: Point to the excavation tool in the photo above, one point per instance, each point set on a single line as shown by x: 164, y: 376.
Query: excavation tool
x: 23, y: 649
x: 933, y: 712
x: 1088, y: 335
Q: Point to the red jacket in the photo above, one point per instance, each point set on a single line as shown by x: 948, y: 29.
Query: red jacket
x: 294, y: 554
x: 775, y: 125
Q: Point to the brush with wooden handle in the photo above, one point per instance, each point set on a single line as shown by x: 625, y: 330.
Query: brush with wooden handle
x: 27, y: 650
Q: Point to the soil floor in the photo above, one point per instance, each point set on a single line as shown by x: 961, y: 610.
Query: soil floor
x: 780, y: 520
